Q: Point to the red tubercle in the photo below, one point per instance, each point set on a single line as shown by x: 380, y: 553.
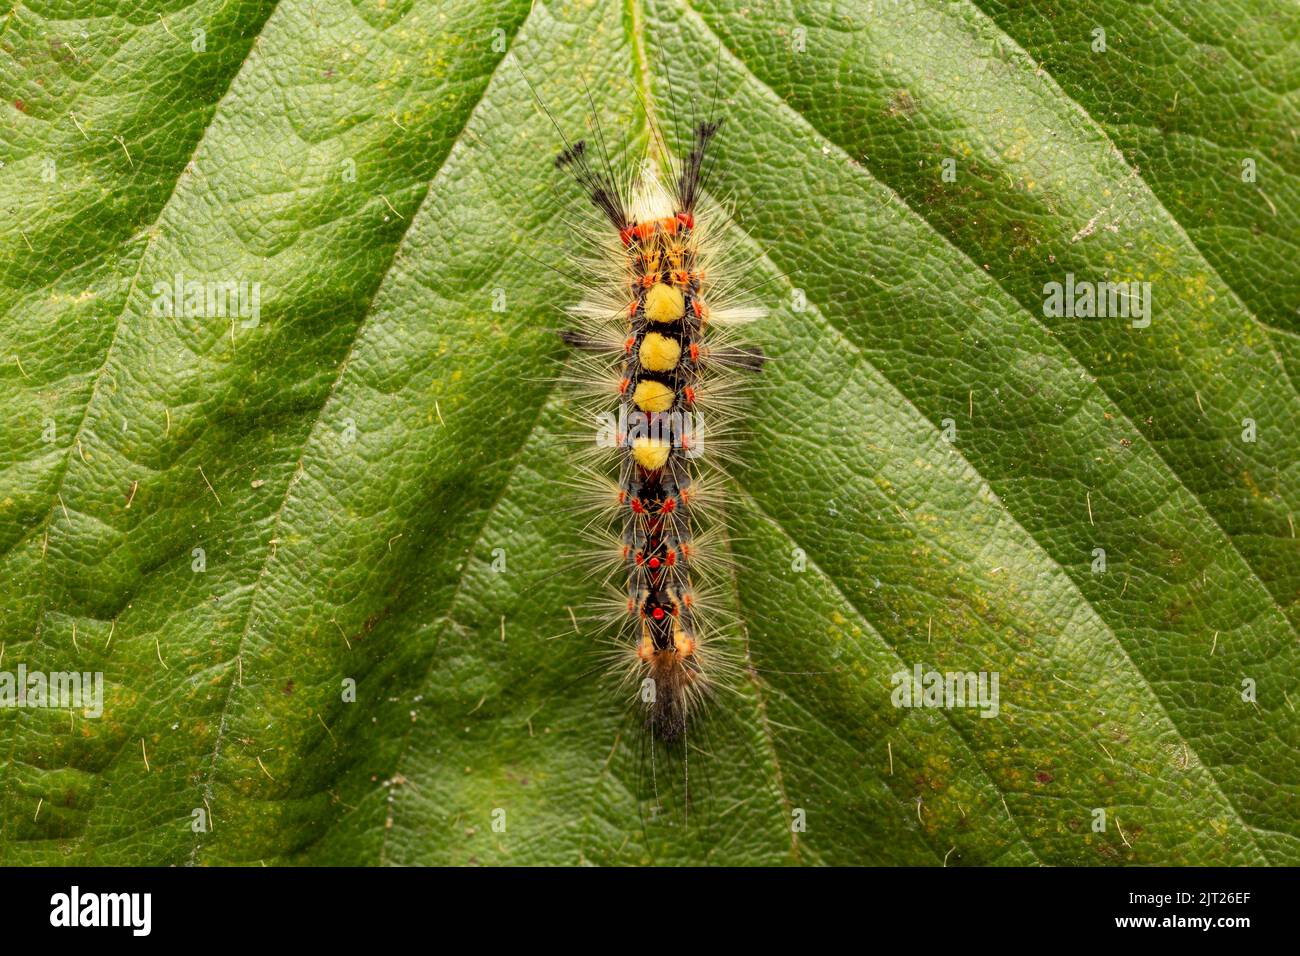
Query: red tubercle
x: 625, y: 235
x: 624, y: 385
x: 695, y: 351
x: 669, y: 506
x: 689, y: 392
x: 644, y: 230
x: 687, y: 219
x: 657, y: 614
x: 654, y: 564
x: 671, y: 558
x: 627, y: 346
x: 637, y: 506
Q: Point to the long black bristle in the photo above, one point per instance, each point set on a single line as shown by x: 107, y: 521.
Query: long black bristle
x: 582, y: 341
x: 688, y: 185
x: 749, y: 357
x: 599, y: 187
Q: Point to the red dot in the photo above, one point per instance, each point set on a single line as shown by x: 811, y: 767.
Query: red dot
x: 654, y: 563
x: 658, y: 613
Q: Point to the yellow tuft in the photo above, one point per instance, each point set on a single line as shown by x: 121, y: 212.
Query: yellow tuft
x: 652, y: 396
x: 664, y: 303
x: 659, y: 353
x: 650, y: 453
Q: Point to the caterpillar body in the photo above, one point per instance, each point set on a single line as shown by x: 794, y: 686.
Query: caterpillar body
x: 657, y: 343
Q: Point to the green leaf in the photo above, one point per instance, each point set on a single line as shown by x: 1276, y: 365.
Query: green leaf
x: 930, y: 465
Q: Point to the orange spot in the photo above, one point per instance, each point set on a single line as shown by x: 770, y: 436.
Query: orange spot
x: 627, y: 346
x: 637, y: 507
x: 669, y: 225
x: 644, y: 230
x: 686, y: 219
x: 695, y: 348
x: 671, y: 558
x: 625, y: 234
x: 669, y: 505
x: 690, y: 395
x: 623, y: 386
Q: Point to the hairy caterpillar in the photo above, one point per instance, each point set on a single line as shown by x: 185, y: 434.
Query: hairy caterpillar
x: 657, y: 362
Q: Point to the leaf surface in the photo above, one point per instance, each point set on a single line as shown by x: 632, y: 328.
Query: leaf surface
x: 930, y: 466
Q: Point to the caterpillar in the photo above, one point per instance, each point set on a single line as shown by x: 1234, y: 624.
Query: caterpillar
x: 657, y: 358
